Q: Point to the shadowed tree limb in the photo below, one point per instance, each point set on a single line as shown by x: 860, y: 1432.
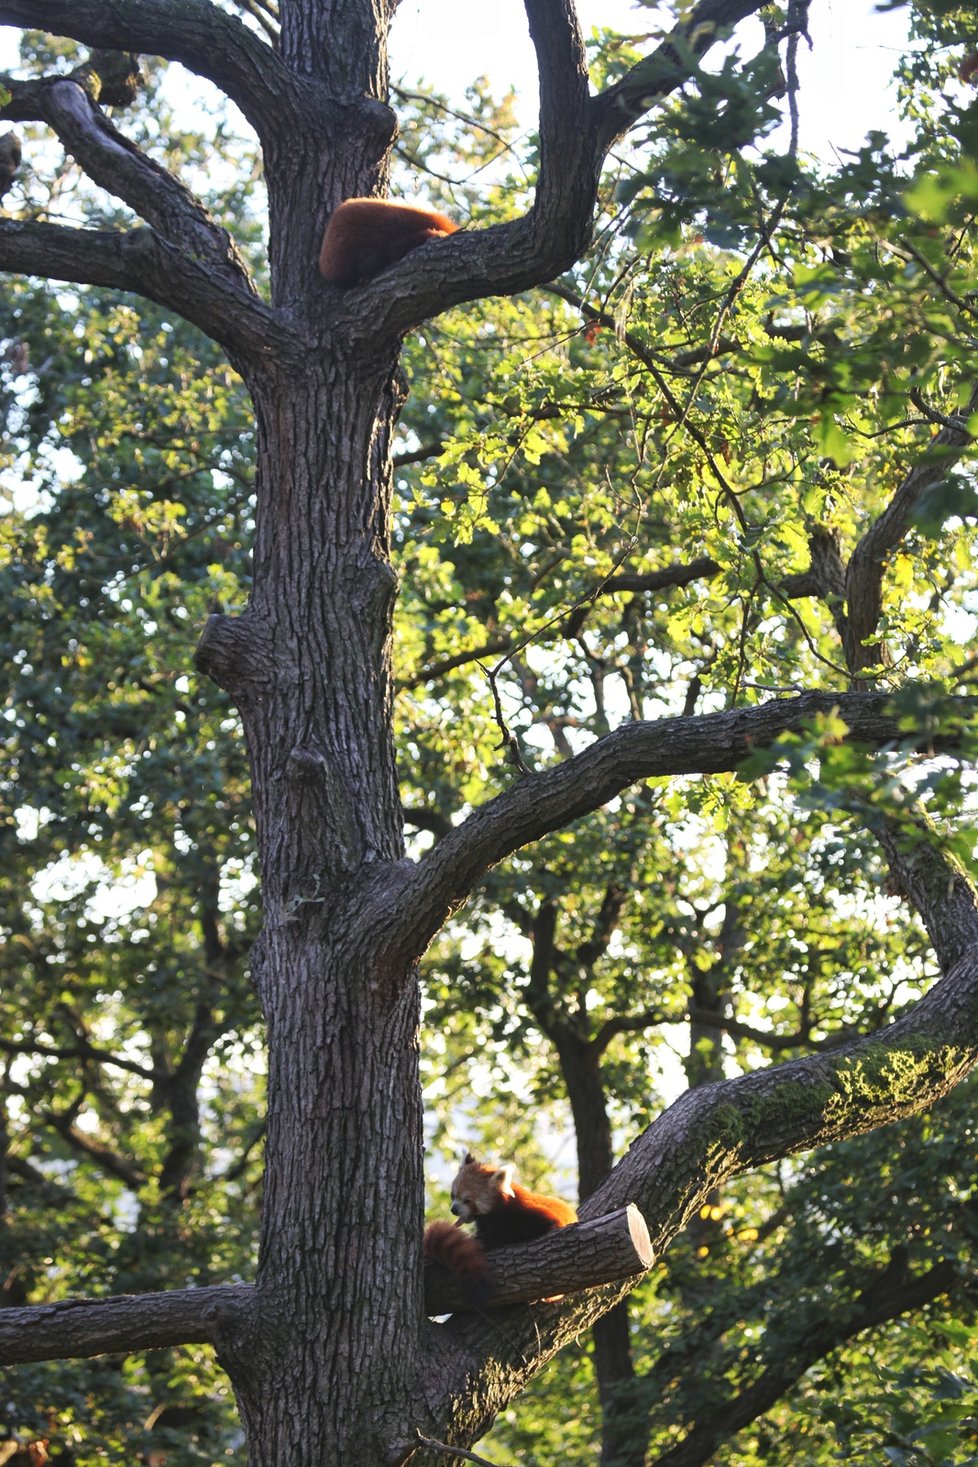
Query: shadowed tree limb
x: 207, y: 40
x: 140, y: 261
x: 890, y: 1293
x: 868, y: 562
x: 118, y: 166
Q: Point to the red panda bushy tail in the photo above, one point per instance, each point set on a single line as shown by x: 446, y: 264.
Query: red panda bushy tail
x: 462, y: 1255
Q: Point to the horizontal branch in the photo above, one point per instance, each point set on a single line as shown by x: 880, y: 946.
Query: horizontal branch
x: 80, y: 1328
x: 207, y: 40
x: 570, y: 624
x: 80, y: 1051
x: 540, y: 803
x: 567, y: 1261
x: 139, y: 261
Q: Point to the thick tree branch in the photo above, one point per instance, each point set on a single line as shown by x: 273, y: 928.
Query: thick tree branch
x: 540, y: 803
x: 703, y: 567
x: 569, y: 161
x: 568, y: 1261
x: 118, y: 166
x: 737, y: 1125
x: 205, y: 39
x: 80, y: 1328
x: 141, y: 262
x: 571, y: 1260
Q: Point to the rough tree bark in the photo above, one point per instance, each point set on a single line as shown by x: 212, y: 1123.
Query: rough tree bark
x: 330, y: 1354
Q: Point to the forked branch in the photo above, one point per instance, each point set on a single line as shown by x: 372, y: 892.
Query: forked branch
x: 118, y: 166
x: 207, y: 40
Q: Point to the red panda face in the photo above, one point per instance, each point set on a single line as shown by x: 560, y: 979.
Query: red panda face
x: 478, y: 1188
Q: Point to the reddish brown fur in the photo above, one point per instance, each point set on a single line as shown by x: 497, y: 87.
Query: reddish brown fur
x: 365, y: 236
x: 503, y: 1213
x: 464, y: 1255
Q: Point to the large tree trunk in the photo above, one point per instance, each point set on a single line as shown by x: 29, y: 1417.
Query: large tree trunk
x: 328, y: 1365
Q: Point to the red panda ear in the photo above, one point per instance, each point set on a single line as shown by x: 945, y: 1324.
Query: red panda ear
x: 504, y: 1180
x: 468, y: 1159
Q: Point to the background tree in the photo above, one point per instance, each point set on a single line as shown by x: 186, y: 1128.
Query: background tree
x: 709, y: 469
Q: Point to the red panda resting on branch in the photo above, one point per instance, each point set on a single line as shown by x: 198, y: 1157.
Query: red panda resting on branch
x: 365, y: 236
x: 503, y: 1212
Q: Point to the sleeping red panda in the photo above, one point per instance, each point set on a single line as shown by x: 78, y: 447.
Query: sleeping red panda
x: 365, y: 236
x: 503, y: 1212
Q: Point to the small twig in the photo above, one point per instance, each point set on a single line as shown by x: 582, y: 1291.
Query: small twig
x: 510, y: 741
x: 429, y: 1441
x: 958, y: 421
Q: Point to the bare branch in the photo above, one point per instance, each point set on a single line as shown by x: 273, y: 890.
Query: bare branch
x: 703, y: 567
x: 80, y: 1328
x: 82, y: 1051
x: 140, y: 261
x: 540, y: 803
x: 667, y: 67
x: 118, y: 166
x: 104, y: 1157
x: 205, y: 39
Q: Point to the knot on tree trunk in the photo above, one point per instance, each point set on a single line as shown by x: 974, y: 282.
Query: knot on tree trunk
x: 236, y: 652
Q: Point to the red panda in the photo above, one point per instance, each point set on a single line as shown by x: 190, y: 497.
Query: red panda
x: 503, y: 1212
x: 365, y: 236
